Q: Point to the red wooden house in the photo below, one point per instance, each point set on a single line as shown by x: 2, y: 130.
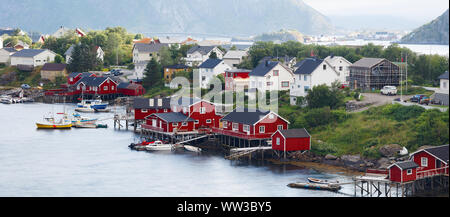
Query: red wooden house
x: 252, y: 124
x: 96, y: 85
x: 74, y: 77
x: 291, y: 140
x: 431, y: 161
x: 130, y: 89
x: 144, y: 107
x: 169, y: 122
x: 236, y: 74
x: 405, y: 171
x: 203, y: 112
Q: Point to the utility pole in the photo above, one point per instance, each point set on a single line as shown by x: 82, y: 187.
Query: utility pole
x: 401, y: 76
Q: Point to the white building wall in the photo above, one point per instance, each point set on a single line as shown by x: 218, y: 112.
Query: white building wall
x: 1, y: 42
x: 206, y: 74
x: 341, y: 65
x: 444, y: 86
x: 5, y: 56
x: 276, y: 82
x: 38, y: 60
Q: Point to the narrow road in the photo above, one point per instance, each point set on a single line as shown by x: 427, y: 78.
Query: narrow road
x: 376, y: 99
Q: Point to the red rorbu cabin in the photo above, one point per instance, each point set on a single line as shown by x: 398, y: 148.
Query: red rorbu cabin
x: 169, y: 122
x: 203, y: 112
x: 431, y: 161
x: 291, y: 140
x: 130, y: 89
x: 74, y: 77
x: 144, y: 107
x: 247, y: 124
x: 403, y: 171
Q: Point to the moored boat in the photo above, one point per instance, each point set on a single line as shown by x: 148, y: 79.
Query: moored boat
x: 192, y: 148
x: 158, y: 146
x: 315, y: 186
x: 78, y: 118
x: 96, y: 105
x: 321, y: 181
x: 52, y: 123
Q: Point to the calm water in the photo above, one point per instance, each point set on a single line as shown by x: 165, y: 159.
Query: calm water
x: 97, y: 162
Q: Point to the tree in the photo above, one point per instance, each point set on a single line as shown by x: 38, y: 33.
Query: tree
x: 59, y: 59
x: 83, y: 58
x: 323, y: 96
x: 152, y: 75
x: 213, y: 55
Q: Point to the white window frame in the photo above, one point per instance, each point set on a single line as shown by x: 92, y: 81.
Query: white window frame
x: 224, y: 123
x: 278, y: 127
x: 105, y: 88
x: 263, y: 129
x: 165, y: 110
x: 424, y: 161
x: 144, y: 110
x: 409, y: 172
x: 237, y: 126
x: 184, y: 124
x: 246, y: 128
x: 208, y: 121
x: 175, y: 124
x: 197, y: 122
x: 278, y: 141
x: 202, y: 110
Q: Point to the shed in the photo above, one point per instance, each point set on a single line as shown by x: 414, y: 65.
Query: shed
x: 291, y: 140
x: 404, y: 171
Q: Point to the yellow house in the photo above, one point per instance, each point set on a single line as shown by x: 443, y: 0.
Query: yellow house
x: 52, y: 70
x: 169, y: 71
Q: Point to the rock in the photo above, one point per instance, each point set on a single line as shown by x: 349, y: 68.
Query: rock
x: 390, y: 150
x: 383, y: 163
x: 392, y: 158
x: 351, y: 158
x: 370, y: 164
x: 330, y: 157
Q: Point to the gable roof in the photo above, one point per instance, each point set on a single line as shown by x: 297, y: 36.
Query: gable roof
x: 367, y: 62
x: 144, y: 103
x: 263, y: 68
x: 404, y: 165
x: 444, y: 76
x: 308, y: 65
x: 149, y: 48
x: 210, y: 63
x: 295, y: 133
x: 245, y: 116
x: 201, y: 49
x: 173, y: 117
x: 235, y: 54
x: 332, y: 60
x: 28, y: 52
x: 440, y: 152
x: 54, y: 67
x: 93, y: 81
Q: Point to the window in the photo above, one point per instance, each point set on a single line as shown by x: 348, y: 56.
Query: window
x: 105, y: 88
x: 299, y: 86
x: 246, y: 128
x: 285, y: 84
x: 271, y: 116
x: 184, y: 110
x: 196, y: 121
x: 71, y: 79
x: 235, y: 126
x: 340, y: 68
x: 324, y: 67
x: 112, y: 87
x: 165, y: 110
x: 275, y: 72
x: 269, y: 83
x: 208, y: 121
x: 424, y: 161
x: 409, y: 172
x: 175, y: 124
x: 278, y: 141
x: 203, y: 78
x: 306, y: 88
x: 144, y: 110
x: 305, y: 77
x: 224, y: 123
x: 280, y: 127
x: 202, y: 110
x: 184, y: 124
x: 262, y: 129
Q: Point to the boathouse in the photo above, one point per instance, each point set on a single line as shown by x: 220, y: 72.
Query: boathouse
x: 291, y: 140
x: 130, y: 89
x: 74, y: 77
x: 405, y: 171
x: 247, y: 124
x: 169, y: 122
x: 144, y: 107
x: 96, y: 86
x: 431, y: 161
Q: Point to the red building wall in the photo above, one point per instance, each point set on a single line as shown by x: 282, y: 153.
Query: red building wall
x: 140, y: 114
x: 396, y: 174
x: 292, y: 144
x: 275, y: 146
x: 210, y: 113
x: 169, y: 127
x: 111, y: 87
x: 269, y: 124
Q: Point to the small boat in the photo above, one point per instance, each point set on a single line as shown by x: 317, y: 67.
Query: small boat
x: 158, y: 146
x: 85, y: 125
x: 140, y: 145
x: 315, y: 186
x: 78, y: 118
x: 192, y: 148
x: 94, y: 104
x: 321, y: 181
x: 52, y: 123
x: 6, y: 100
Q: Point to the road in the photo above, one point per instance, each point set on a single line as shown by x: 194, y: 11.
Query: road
x: 376, y: 99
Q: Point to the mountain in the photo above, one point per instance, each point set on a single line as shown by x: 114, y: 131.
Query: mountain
x: 219, y: 17
x: 282, y: 36
x: 435, y: 32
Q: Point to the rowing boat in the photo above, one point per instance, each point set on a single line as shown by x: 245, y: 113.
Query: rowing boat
x: 321, y: 181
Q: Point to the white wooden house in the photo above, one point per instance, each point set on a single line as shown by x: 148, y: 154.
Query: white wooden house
x: 271, y: 75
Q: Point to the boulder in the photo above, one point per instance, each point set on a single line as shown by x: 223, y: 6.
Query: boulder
x: 383, y: 163
x: 390, y: 150
x: 370, y: 164
x: 351, y: 158
x: 330, y: 157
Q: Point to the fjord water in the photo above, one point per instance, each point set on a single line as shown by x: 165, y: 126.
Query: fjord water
x: 98, y: 162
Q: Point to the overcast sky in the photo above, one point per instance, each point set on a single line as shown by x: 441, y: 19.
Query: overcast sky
x: 419, y: 10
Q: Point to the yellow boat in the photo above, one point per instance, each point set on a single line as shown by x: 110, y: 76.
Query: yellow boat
x: 51, y: 123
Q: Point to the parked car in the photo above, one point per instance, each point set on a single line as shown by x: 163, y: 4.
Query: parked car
x: 389, y: 90
x: 417, y: 98
x: 425, y: 100
x: 25, y: 86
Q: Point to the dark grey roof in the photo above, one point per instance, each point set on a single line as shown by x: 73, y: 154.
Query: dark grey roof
x: 308, y: 65
x: 263, y: 68
x: 149, y: 48
x: 440, y: 152
x: 210, y: 63
x: 238, y: 70
x: 177, y: 66
x: 144, y: 103
x: 123, y: 85
x: 245, y: 116
x: 367, y: 62
x: 92, y: 81
x: 28, y: 52
x: 444, y: 76
x: 9, y: 49
x: 406, y: 165
x: 173, y: 117
x: 295, y: 133
x: 54, y: 67
x: 201, y: 49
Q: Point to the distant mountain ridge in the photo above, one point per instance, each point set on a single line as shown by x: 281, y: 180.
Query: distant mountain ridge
x: 435, y: 32
x: 250, y: 17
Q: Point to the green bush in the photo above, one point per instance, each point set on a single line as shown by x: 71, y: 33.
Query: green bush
x: 402, y: 113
